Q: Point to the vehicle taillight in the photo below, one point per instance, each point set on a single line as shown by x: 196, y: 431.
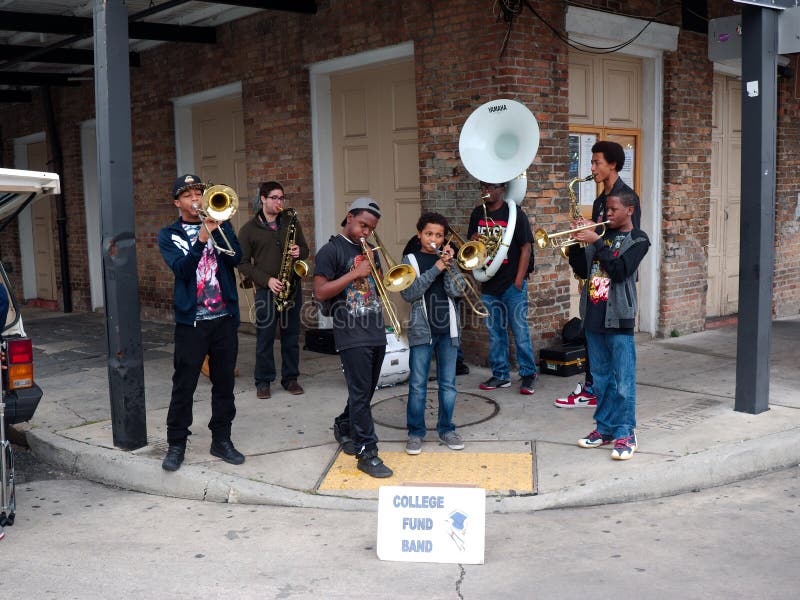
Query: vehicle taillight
x: 20, y: 364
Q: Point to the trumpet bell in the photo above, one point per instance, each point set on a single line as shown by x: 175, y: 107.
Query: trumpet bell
x: 399, y: 277
x: 499, y: 140
x: 541, y: 238
x: 220, y: 202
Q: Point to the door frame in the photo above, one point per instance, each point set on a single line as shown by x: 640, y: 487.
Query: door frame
x: 182, y: 111
x: 325, y: 218
x: 598, y: 28
x: 91, y: 205
x: 25, y: 220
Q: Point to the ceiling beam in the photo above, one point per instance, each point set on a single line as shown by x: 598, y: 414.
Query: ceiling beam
x: 307, y: 7
x: 69, y: 56
x: 28, y: 78
x: 140, y: 30
x: 15, y: 96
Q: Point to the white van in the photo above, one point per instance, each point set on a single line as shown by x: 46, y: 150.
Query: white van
x: 20, y: 393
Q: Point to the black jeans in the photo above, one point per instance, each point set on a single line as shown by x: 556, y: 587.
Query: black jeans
x: 219, y: 339
x: 268, y: 319
x: 362, y: 368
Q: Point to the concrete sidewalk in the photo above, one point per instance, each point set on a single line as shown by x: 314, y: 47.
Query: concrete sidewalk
x: 689, y: 436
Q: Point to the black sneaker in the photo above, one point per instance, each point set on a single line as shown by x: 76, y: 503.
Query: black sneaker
x: 370, y: 463
x: 345, y: 440
x: 493, y: 383
x: 224, y: 449
x: 462, y: 368
x: 174, y: 457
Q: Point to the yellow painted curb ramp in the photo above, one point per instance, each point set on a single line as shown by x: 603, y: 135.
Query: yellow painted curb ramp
x: 492, y: 471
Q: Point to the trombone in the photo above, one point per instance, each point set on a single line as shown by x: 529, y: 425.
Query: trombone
x: 467, y: 290
x: 397, y: 278
x: 543, y: 240
x: 220, y: 203
x: 470, y: 255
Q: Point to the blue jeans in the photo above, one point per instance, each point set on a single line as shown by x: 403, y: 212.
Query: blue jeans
x: 420, y: 361
x: 511, y: 308
x: 614, y: 374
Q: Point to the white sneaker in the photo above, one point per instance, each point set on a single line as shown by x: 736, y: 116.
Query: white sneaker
x: 578, y: 399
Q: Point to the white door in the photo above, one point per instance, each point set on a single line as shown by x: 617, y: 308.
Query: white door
x: 722, y: 297
x: 375, y: 150
x: 219, y: 151
x: 43, y: 232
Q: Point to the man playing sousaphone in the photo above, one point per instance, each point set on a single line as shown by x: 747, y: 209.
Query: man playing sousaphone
x: 505, y: 294
x: 264, y: 241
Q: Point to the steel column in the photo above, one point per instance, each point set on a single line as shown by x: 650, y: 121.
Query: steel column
x: 115, y: 183
x: 756, y: 249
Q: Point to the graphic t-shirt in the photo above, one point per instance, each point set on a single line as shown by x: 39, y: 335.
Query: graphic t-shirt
x: 495, y: 223
x: 210, y: 304
x: 598, y: 284
x: 357, y: 311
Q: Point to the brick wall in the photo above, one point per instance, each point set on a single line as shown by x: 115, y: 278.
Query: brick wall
x: 458, y: 67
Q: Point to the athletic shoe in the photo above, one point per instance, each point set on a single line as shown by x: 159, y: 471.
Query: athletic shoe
x: 595, y: 440
x: 624, y: 447
x: 370, y: 463
x: 462, y: 368
x: 341, y: 435
x: 2, y: 533
x: 493, y: 383
x: 581, y: 397
x: 452, y: 440
x: 414, y: 445
x: 526, y: 386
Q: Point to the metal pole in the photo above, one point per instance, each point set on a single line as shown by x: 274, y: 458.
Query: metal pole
x: 115, y: 180
x: 757, y: 229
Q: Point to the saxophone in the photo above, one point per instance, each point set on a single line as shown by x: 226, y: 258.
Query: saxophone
x: 289, y: 266
x: 575, y: 212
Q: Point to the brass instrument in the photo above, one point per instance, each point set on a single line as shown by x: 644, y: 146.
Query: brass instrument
x: 397, y: 278
x: 467, y: 290
x: 575, y: 212
x: 289, y: 265
x: 543, y: 240
x: 220, y: 203
x: 470, y: 255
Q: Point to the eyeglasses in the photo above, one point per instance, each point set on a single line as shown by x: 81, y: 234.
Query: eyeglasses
x: 277, y: 197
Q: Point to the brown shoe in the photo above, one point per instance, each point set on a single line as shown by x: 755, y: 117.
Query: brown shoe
x: 204, y: 369
x: 293, y: 387
x: 262, y: 391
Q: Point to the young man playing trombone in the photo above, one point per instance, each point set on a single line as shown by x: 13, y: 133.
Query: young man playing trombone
x: 206, y: 319
x: 344, y: 277
x: 264, y: 239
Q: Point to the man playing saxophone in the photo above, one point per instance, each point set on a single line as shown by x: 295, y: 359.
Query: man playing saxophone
x: 268, y: 255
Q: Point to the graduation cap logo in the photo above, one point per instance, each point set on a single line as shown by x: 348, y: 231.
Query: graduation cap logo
x: 458, y: 529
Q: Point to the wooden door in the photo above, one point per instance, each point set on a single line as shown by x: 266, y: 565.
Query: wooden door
x: 375, y: 150
x: 722, y: 297
x: 42, y: 222
x: 219, y: 157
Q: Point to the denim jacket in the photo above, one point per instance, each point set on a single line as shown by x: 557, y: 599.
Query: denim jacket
x: 419, y: 330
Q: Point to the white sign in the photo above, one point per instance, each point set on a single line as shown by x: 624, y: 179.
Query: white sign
x: 432, y: 524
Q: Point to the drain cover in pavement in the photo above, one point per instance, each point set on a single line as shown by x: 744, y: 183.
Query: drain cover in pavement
x: 470, y: 410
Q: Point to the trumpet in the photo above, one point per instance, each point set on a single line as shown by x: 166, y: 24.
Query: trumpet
x: 397, y: 278
x: 467, y: 290
x: 220, y: 203
x: 543, y: 239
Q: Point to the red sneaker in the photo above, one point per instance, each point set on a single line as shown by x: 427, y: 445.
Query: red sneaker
x: 577, y: 399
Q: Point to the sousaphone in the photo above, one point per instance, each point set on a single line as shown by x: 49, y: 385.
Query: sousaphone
x: 497, y: 144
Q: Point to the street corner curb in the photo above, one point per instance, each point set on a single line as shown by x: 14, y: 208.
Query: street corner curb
x: 136, y: 473
x: 18, y: 433
x: 693, y: 472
